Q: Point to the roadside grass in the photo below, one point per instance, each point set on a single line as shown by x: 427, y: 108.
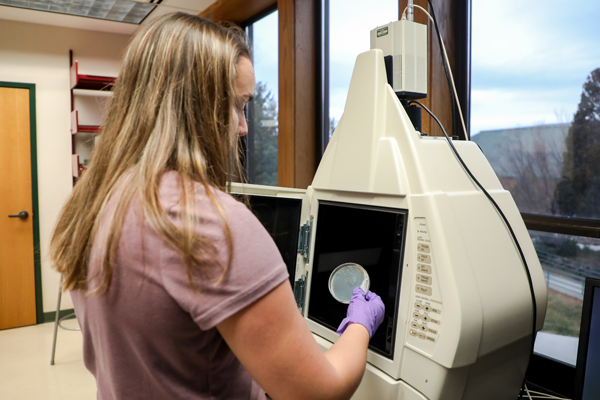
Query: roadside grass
x: 563, y: 315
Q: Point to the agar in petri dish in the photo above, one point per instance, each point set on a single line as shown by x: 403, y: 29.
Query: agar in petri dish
x: 345, y: 278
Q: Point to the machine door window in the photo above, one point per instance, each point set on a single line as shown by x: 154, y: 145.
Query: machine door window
x: 373, y: 237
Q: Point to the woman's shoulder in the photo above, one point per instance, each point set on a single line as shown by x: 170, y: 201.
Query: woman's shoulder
x: 170, y: 195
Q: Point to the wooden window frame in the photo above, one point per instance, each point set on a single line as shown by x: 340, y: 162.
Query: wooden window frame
x: 301, y: 79
x: 301, y: 96
x: 297, y: 64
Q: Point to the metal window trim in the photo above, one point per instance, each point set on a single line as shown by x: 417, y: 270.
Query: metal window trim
x: 563, y: 225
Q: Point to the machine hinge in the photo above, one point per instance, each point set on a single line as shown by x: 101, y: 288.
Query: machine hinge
x: 300, y: 292
x: 304, y: 240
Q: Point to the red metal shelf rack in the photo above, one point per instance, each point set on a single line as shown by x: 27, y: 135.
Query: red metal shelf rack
x: 88, y: 82
x: 91, y: 82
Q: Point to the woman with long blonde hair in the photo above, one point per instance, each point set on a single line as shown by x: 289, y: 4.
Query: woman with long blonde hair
x: 178, y: 289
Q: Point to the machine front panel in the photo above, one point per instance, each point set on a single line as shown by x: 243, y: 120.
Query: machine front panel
x: 426, y: 304
x: 373, y: 237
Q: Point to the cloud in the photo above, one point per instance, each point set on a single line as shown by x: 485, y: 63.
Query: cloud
x: 530, y: 60
x: 351, y: 22
x: 266, y: 55
x: 526, y: 38
x: 499, y: 109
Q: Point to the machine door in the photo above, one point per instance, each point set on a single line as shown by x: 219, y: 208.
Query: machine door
x: 371, y: 236
x: 282, y: 212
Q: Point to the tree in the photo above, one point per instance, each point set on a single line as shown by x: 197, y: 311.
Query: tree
x: 534, y: 164
x: 332, y: 125
x: 262, y: 152
x: 578, y: 192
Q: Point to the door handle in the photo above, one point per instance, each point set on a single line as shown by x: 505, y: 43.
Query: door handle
x: 21, y: 215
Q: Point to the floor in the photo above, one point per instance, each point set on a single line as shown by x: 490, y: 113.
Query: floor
x: 25, y: 370
x: 26, y: 373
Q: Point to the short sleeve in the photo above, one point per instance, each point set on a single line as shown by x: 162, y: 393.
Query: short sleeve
x: 256, y: 265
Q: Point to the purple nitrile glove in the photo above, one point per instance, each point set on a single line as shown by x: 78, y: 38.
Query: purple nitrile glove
x: 367, y: 310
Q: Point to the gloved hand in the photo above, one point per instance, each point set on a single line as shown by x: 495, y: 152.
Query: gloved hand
x: 367, y: 310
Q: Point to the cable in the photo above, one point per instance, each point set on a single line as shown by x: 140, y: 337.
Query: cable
x: 446, y: 66
x: 505, y: 220
x: 531, y: 394
x: 445, y: 55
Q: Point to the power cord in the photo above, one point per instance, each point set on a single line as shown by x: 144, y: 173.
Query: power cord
x: 504, y: 219
x: 539, y: 395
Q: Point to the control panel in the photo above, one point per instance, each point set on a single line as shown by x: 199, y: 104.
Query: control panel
x: 426, y: 316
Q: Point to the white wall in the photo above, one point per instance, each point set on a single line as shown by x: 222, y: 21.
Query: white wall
x: 39, y: 54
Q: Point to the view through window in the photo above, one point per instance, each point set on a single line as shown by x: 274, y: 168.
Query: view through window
x: 262, y: 112
x: 350, y: 24
x: 535, y: 112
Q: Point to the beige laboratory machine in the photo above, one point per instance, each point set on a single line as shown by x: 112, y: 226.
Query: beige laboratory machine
x: 459, y: 306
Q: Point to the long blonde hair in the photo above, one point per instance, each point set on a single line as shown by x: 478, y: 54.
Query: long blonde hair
x: 170, y: 111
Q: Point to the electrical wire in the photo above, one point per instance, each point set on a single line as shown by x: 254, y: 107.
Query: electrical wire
x: 445, y: 55
x: 446, y: 66
x: 531, y: 394
x: 504, y: 219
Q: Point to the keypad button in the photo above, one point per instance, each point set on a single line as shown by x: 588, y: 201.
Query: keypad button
x: 424, y: 290
x: 423, y: 248
x: 425, y: 318
x: 413, y: 332
x: 424, y: 269
x: 414, y: 325
x: 418, y: 306
x: 426, y: 280
x: 424, y: 258
x: 423, y: 328
x: 416, y: 315
x: 427, y: 308
x: 421, y: 335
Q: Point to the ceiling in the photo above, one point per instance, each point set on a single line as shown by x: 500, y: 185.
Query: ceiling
x: 70, y: 21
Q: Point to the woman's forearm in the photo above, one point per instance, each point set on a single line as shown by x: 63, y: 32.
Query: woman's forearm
x: 348, y: 356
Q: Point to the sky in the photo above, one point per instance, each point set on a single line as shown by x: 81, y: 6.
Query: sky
x: 265, y: 51
x: 529, y: 61
x: 350, y: 26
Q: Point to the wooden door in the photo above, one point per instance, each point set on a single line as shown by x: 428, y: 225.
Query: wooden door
x: 17, y: 267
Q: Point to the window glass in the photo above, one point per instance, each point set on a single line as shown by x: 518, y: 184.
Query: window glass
x: 262, y: 112
x: 350, y: 24
x: 535, y: 108
x: 535, y: 112
x: 567, y: 260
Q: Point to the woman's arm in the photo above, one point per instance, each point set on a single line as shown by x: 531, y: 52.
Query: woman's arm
x: 271, y: 339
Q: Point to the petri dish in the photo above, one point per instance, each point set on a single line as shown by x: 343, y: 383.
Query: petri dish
x: 345, y: 278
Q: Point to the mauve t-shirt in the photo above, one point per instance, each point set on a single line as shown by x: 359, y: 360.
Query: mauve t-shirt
x: 151, y: 336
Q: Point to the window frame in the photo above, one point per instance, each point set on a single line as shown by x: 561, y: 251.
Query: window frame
x: 297, y: 55
x: 543, y: 371
x: 302, y: 43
